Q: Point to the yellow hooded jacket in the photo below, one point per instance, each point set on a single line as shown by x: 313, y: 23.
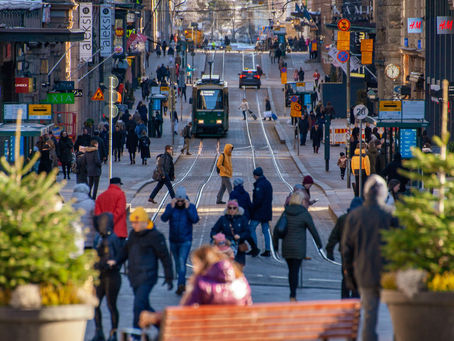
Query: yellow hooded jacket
x: 224, y: 162
x: 364, y: 160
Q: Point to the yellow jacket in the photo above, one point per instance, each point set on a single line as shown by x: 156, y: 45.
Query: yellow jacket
x: 224, y: 162
x: 364, y: 160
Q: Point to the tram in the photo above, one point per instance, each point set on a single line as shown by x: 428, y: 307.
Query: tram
x: 210, y: 107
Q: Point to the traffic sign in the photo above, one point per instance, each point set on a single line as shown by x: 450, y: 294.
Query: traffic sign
x: 360, y: 111
x: 78, y: 92
x: 344, y: 25
x: 367, y: 45
x: 343, y: 56
x: 294, y: 98
x: 295, y: 109
x: 284, y: 69
x: 366, y: 58
x: 343, y: 45
x: 98, y: 96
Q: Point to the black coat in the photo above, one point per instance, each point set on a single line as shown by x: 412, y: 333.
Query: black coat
x: 142, y: 250
x: 82, y: 140
x: 117, y: 139
x: 64, y: 150
x: 93, y: 163
x: 262, y: 198
x: 144, y: 145
x: 238, y: 222
x: 109, y: 246
x: 165, y: 166
x: 303, y: 124
x: 316, y: 136
x: 131, y: 137
x: 243, y: 198
x: 81, y: 164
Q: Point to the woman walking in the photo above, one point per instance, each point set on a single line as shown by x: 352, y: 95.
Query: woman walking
x: 131, y: 140
x: 244, y: 107
x: 144, y: 146
x: 294, y: 243
x: 64, y: 153
x: 117, y: 142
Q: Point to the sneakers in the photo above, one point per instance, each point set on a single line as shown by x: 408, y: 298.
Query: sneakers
x: 180, y: 290
x: 188, y: 153
x: 254, y: 252
x: 267, y: 253
x: 220, y: 202
x: 152, y: 201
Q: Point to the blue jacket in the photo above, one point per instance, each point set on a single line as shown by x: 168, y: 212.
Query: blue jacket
x: 180, y: 222
x: 243, y: 198
x: 262, y: 198
x: 142, y: 250
x: 238, y: 222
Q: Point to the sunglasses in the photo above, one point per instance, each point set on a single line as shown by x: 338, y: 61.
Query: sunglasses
x: 232, y: 208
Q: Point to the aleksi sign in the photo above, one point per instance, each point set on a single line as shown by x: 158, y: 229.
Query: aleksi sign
x: 354, y: 11
x: 86, y: 24
x: 105, y: 40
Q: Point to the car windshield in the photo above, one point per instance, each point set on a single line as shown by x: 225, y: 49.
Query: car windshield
x: 209, y: 99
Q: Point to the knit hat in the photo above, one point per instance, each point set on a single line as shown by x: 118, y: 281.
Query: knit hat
x: 308, y: 180
x: 238, y: 181
x: 81, y: 188
x: 139, y: 214
x: 258, y: 171
x: 180, y: 193
x: 233, y: 203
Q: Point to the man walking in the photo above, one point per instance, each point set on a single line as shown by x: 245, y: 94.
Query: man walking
x: 262, y: 198
x: 144, y: 247
x: 181, y: 215
x: 224, y: 164
x: 166, y: 173
x: 187, y: 133
x: 113, y: 200
x: 361, y: 244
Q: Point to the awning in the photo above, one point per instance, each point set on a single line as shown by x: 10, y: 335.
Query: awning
x: 27, y: 129
x: 40, y: 35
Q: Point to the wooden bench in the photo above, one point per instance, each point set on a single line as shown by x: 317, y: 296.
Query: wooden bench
x: 313, y: 320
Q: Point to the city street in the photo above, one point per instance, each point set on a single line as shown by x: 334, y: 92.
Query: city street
x: 256, y: 143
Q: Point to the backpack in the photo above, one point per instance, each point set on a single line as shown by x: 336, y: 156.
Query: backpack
x: 217, y: 168
x: 156, y: 173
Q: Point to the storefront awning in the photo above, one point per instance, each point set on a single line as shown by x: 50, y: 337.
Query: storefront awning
x: 40, y: 35
x: 27, y: 129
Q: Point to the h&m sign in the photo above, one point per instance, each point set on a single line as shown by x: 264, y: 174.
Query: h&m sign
x: 445, y: 25
x: 414, y: 25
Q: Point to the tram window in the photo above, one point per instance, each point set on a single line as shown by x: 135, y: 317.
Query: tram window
x: 209, y: 99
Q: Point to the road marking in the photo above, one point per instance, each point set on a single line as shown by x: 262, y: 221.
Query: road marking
x: 278, y: 277
x: 324, y: 280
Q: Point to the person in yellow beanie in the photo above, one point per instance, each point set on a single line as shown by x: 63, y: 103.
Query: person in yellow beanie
x: 145, y: 245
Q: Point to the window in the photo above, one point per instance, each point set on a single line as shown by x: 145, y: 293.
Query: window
x: 209, y: 99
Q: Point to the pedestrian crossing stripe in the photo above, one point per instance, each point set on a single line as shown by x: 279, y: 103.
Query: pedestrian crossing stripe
x: 98, y: 96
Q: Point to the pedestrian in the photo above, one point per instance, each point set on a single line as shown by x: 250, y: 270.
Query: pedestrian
x: 104, y: 135
x: 189, y: 71
x: 244, y: 107
x: 294, y: 243
x: 144, y: 146
x: 303, y: 126
x: 215, y: 280
x: 295, y: 75
x: 367, y: 132
x: 65, y: 154
x: 183, y: 90
x: 342, y: 163
x: 131, y: 140
x: 109, y: 282
x: 144, y: 247
x: 145, y: 85
x: 174, y: 118
x: 166, y: 173
x: 224, y: 164
x: 82, y: 201
x: 187, y: 133
x: 372, y: 153
x: 81, y: 169
x: 244, y: 201
x: 152, y: 124
x: 52, y: 153
x: 113, y: 200
x: 316, y: 76
x: 267, y: 113
x: 143, y: 112
x: 117, y: 143
x: 301, y: 75
x: 158, y: 50
x: 334, y: 238
x: 159, y: 122
x: 393, y: 193
x: 365, y: 169
x: 308, y: 181
x: 102, y: 146
x: 82, y: 140
x: 94, y: 168
x: 164, y: 47
x: 392, y: 171
x: 262, y: 212
x: 181, y: 215
x: 140, y: 128
x: 316, y: 134
x: 361, y: 245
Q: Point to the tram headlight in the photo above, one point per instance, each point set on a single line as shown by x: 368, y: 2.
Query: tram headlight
x: 218, y: 121
x: 201, y: 121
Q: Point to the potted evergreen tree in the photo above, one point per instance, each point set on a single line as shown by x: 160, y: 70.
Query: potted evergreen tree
x: 419, y: 287
x: 45, y: 282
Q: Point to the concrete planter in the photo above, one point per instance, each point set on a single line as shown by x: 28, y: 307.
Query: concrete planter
x: 427, y: 316
x: 58, y: 323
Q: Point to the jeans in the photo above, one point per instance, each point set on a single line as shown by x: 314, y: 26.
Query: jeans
x: 158, y: 187
x: 93, y: 182
x: 293, y: 272
x: 370, y: 301
x: 109, y: 286
x: 180, y: 253
x: 141, y: 302
x: 265, y: 230
x: 225, y: 184
x: 303, y: 137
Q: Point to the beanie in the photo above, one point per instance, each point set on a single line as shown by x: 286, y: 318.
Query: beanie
x: 258, y: 171
x: 180, y: 193
x: 308, y: 180
x: 233, y: 203
x: 237, y: 182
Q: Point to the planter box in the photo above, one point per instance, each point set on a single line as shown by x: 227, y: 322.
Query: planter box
x: 58, y: 323
x: 427, y: 316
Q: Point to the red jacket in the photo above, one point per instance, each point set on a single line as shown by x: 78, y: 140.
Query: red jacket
x: 114, y: 201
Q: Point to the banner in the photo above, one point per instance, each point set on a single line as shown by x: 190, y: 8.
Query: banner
x: 105, y: 30
x: 86, y: 25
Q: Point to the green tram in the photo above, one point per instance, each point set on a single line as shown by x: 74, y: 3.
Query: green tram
x: 210, y: 107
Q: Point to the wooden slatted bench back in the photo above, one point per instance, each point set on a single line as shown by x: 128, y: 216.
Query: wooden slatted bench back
x: 313, y: 320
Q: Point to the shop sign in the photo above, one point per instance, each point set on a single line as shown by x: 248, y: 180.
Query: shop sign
x: 23, y: 85
x: 86, y: 24
x: 39, y: 111
x: 390, y: 110
x: 64, y: 85
x: 414, y: 25
x: 105, y: 27
x: 445, y: 25
x: 10, y: 111
x: 60, y: 98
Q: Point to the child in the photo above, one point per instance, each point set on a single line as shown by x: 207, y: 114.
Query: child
x: 342, y: 163
x: 144, y: 145
x: 223, y: 245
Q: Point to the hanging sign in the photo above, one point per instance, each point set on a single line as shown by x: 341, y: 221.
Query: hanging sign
x: 86, y: 24
x: 60, y: 98
x: 23, y: 85
x: 445, y: 25
x: 105, y: 30
x: 414, y: 25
